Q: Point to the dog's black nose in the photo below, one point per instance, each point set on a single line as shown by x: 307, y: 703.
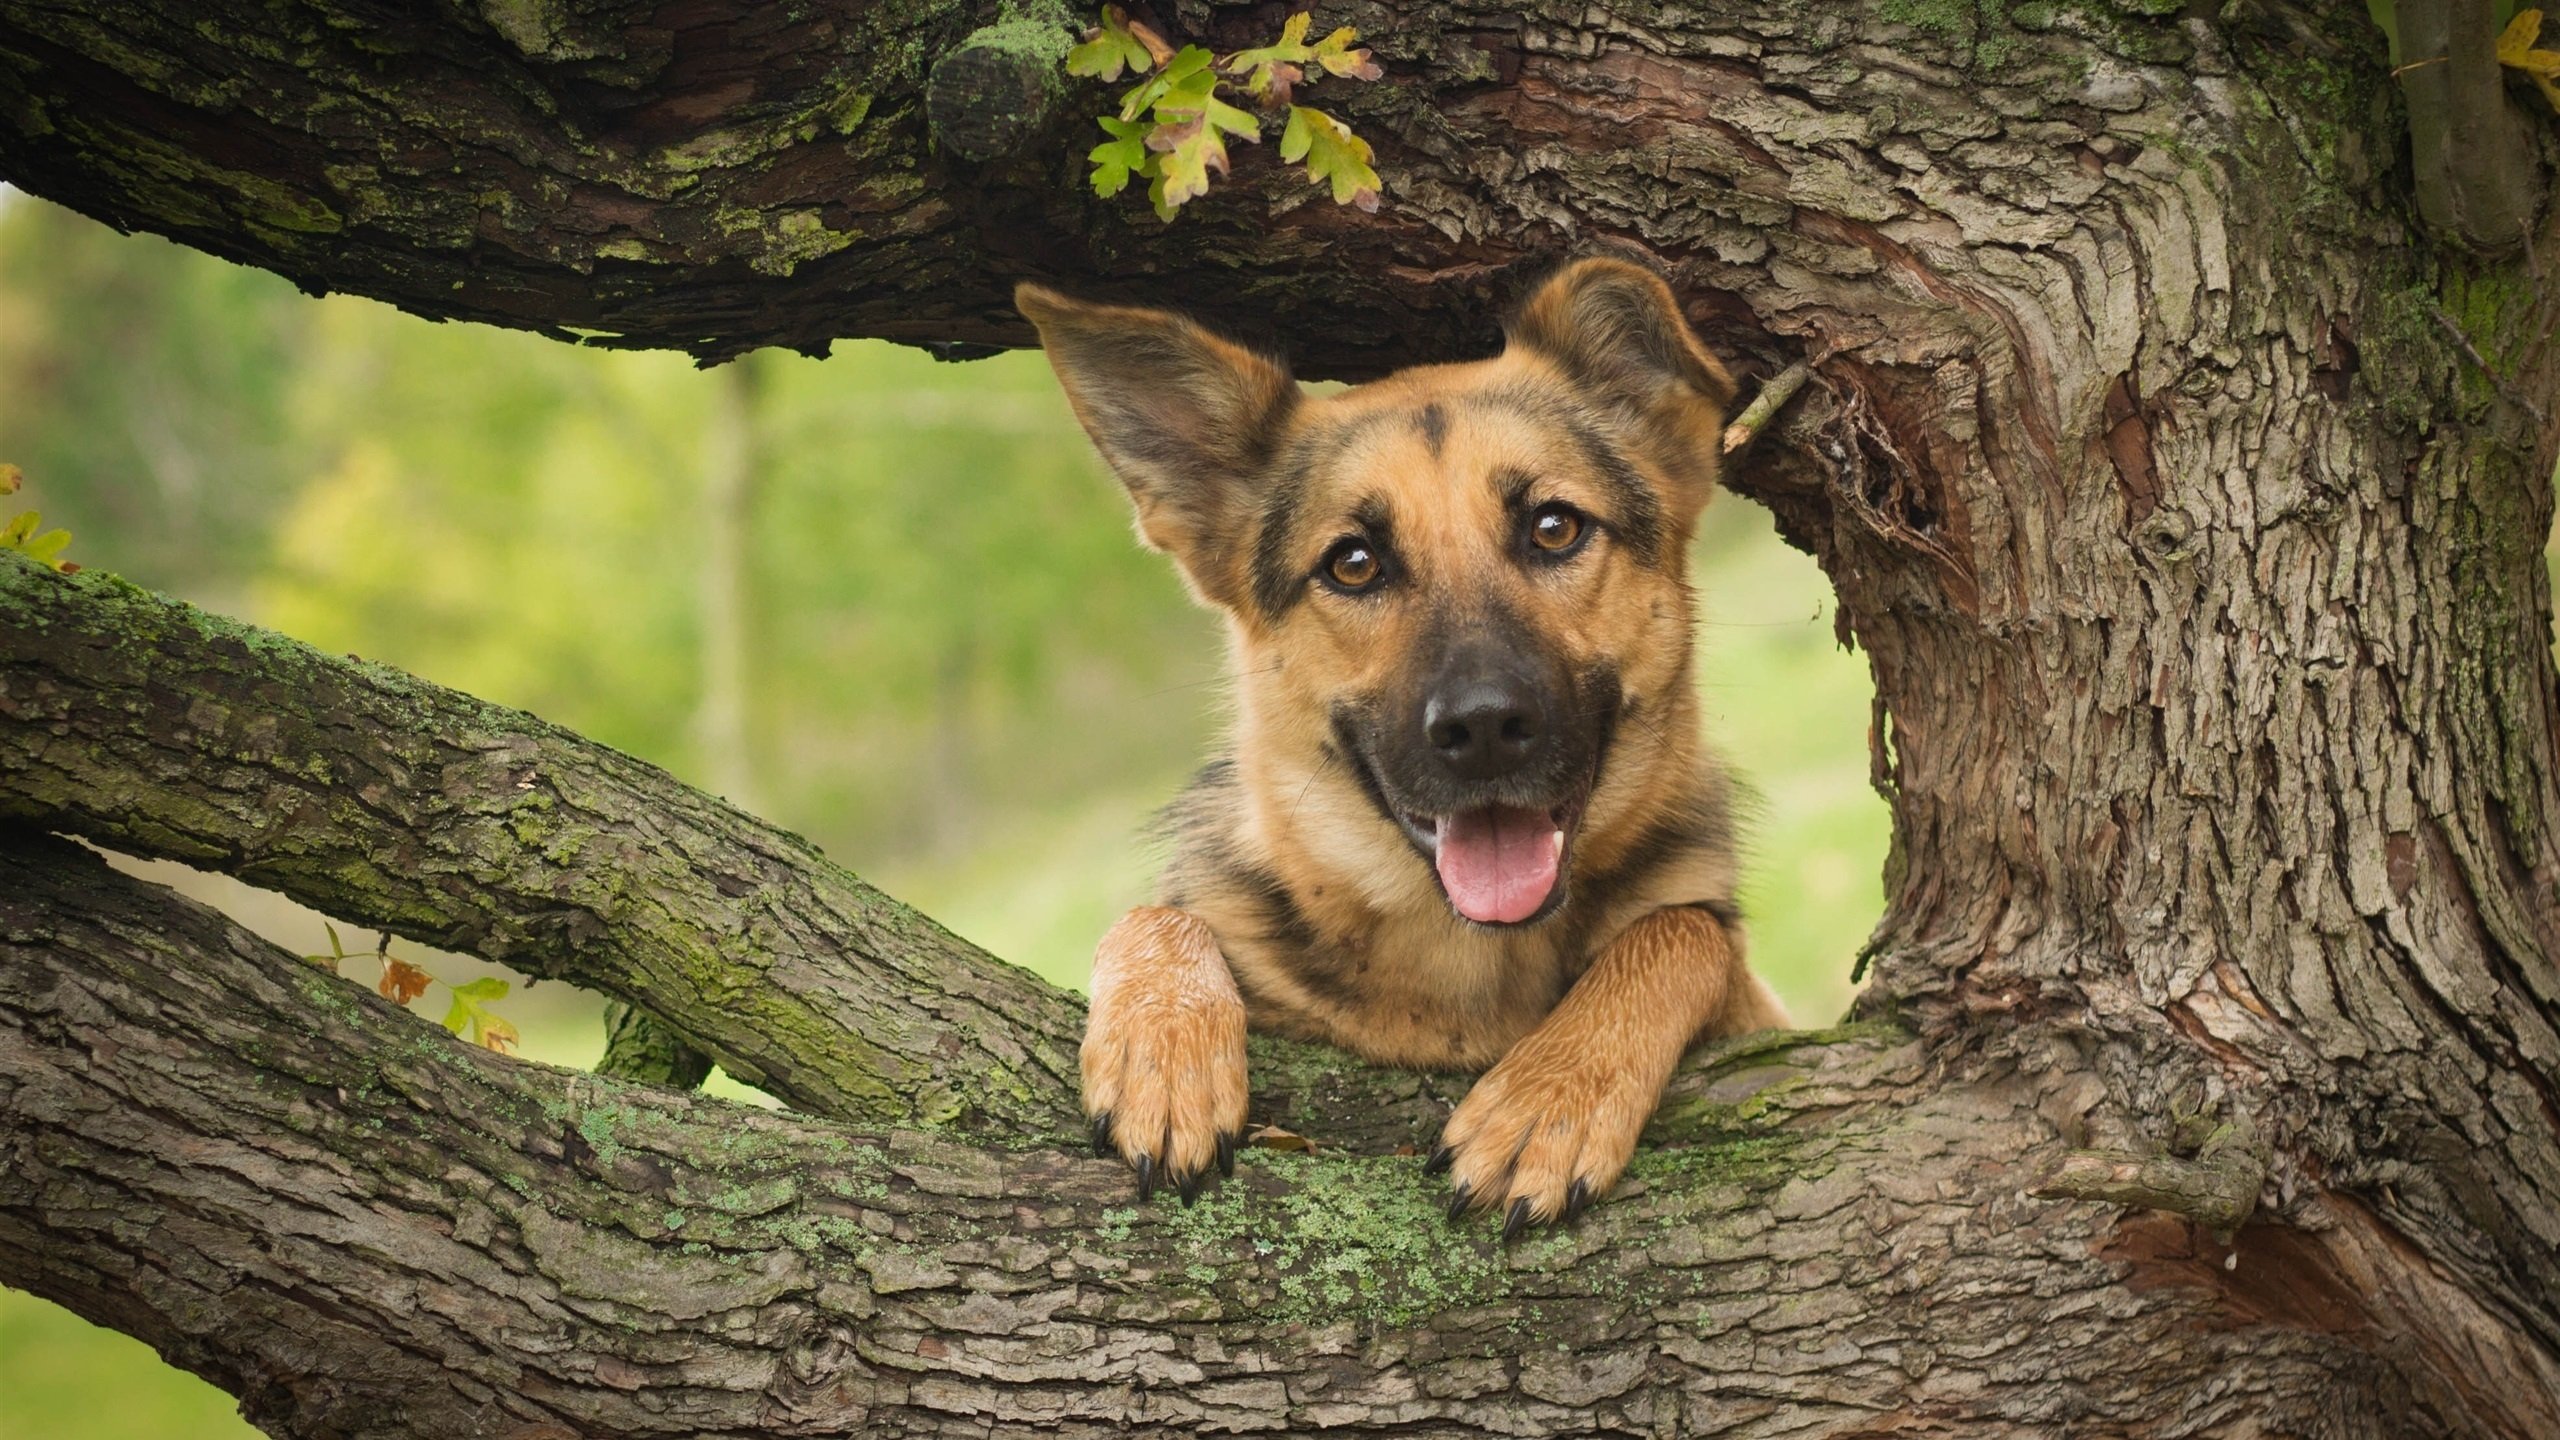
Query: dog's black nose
x: 1483, y: 728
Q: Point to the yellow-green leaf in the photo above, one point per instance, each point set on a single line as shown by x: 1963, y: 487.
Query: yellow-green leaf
x: 1335, y: 54
x: 337, y: 950
x: 1187, y: 73
x: 2516, y: 51
x: 1110, y: 48
x: 497, y: 1034
x: 2519, y: 35
x: 1118, y: 158
x: 1239, y: 123
x: 1188, y: 151
x: 1333, y: 155
x: 19, y: 529
x: 470, y: 1013
x: 1263, y: 64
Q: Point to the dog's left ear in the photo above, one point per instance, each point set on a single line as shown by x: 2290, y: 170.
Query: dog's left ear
x: 1617, y: 333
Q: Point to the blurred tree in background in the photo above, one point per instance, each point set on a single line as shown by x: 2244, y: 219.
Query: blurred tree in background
x: 894, y: 604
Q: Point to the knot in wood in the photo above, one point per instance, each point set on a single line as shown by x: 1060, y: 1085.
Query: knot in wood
x: 2165, y: 535
x: 998, y: 91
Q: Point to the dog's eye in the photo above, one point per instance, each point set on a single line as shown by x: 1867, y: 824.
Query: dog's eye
x: 1555, y: 528
x: 1351, y: 566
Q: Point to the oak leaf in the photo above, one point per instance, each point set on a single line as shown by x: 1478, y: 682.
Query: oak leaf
x: 1123, y: 155
x: 401, y: 981
x: 2515, y: 50
x: 1109, y: 48
x: 1333, y: 155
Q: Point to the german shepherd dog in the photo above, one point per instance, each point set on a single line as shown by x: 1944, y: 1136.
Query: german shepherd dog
x: 1466, y: 818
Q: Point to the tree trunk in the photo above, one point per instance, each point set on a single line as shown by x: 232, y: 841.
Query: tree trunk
x: 2184, y: 489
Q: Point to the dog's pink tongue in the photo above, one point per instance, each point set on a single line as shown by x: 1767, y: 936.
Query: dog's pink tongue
x: 1498, y: 863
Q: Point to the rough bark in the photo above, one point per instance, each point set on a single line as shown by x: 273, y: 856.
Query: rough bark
x: 709, y: 177
x: 396, y: 804
x: 365, y: 1227
x: 2184, y: 492
x: 405, y: 807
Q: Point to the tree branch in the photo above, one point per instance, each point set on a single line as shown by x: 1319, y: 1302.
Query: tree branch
x: 710, y: 178
x: 361, y: 1225
x: 153, y: 728
x: 2217, y: 1187
x: 641, y: 1048
x: 2473, y: 156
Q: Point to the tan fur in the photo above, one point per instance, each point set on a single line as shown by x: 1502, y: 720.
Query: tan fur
x: 1286, y: 868
x: 1164, y: 1047
x: 1567, y: 1103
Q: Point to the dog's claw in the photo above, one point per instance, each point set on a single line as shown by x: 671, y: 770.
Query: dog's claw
x: 1102, y: 1135
x: 1227, y: 1155
x: 1146, y: 1167
x: 1458, y: 1204
x: 1441, y: 1155
x: 1189, y: 1187
x: 1516, y: 1221
x: 1575, y: 1197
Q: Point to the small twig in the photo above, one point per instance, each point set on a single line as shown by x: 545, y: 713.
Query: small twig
x: 1780, y: 388
x: 2472, y: 353
x: 2218, y: 1189
x: 2419, y: 65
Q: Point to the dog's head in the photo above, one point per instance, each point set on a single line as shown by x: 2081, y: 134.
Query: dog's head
x: 1453, y: 583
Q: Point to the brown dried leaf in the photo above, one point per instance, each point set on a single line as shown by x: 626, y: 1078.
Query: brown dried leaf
x: 401, y: 981
x: 1145, y: 35
x: 1272, y: 1137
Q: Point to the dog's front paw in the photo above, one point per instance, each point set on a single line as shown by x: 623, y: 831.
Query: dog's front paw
x: 1163, y: 1054
x: 1546, y: 1130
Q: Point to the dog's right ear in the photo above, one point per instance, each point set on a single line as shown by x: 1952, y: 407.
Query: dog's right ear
x: 1187, y: 421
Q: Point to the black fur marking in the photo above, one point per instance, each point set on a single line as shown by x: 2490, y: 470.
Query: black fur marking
x: 1637, y: 514
x: 1190, y: 826
x: 1282, y: 924
x: 1697, y: 825
x: 1606, y: 694
x: 1203, y: 861
x: 1433, y: 422
x: 1371, y: 519
x: 1329, y: 975
x: 1202, y: 803
x: 1727, y: 913
x: 1679, y: 833
x: 1346, y: 737
x: 1279, y: 581
x: 1633, y: 510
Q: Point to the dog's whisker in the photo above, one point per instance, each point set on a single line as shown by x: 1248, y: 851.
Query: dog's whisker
x: 1312, y: 778
x: 1223, y: 677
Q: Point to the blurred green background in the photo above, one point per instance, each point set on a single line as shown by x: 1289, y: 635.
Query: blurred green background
x: 893, y: 604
